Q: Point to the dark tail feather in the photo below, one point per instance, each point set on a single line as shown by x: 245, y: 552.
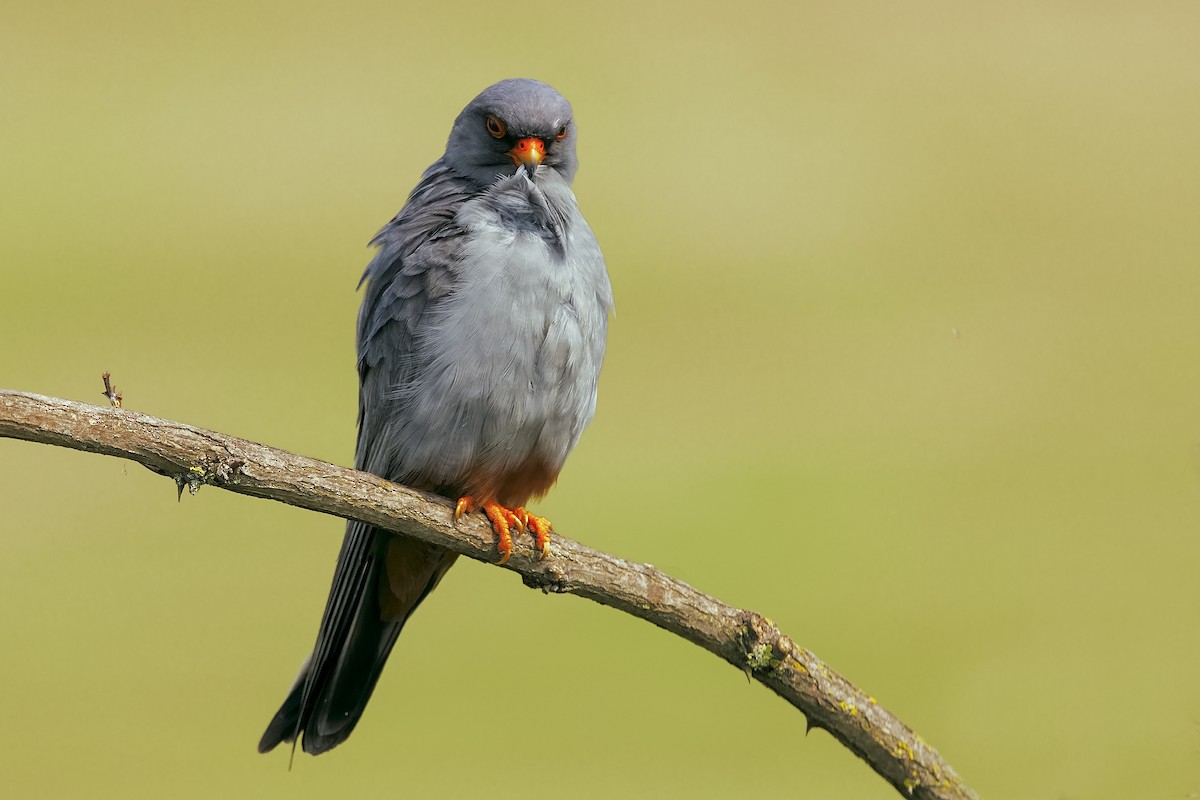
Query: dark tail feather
x: 332, y: 690
x: 283, y: 725
x: 337, y: 703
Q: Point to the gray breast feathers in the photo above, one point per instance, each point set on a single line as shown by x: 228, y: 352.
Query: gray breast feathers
x: 502, y: 363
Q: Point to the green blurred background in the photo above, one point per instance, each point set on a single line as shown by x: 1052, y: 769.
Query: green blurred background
x: 906, y: 356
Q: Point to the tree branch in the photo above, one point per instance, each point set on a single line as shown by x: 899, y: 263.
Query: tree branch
x: 749, y: 641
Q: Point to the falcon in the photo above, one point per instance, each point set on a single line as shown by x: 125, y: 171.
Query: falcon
x: 480, y: 339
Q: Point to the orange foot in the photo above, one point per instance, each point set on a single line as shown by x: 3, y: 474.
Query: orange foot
x: 504, y: 520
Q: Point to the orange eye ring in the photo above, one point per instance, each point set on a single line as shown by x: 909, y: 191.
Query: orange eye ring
x: 562, y: 133
x: 496, y: 126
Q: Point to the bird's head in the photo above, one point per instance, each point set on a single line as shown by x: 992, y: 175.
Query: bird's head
x: 513, y: 123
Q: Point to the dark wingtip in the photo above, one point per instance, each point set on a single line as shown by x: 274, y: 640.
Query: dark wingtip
x: 270, y: 740
x: 274, y: 736
x: 283, y: 724
x: 315, y: 745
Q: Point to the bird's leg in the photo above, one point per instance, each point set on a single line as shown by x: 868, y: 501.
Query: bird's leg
x: 539, y: 527
x: 504, y: 520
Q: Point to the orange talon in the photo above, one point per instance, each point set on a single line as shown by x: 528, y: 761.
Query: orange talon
x: 541, y: 534
x: 465, y: 505
x: 501, y: 518
x: 504, y: 520
x: 540, y: 527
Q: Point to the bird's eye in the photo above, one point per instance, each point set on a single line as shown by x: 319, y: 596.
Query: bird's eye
x: 562, y: 133
x: 496, y: 126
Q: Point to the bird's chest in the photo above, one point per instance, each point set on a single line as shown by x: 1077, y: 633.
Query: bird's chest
x: 511, y: 286
x: 506, y: 331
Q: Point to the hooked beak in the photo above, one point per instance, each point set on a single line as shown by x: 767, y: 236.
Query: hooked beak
x: 528, y: 152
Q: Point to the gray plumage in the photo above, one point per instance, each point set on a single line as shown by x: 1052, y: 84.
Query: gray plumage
x: 480, y: 340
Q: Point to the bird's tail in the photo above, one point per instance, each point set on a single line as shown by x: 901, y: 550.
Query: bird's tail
x: 380, y: 580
